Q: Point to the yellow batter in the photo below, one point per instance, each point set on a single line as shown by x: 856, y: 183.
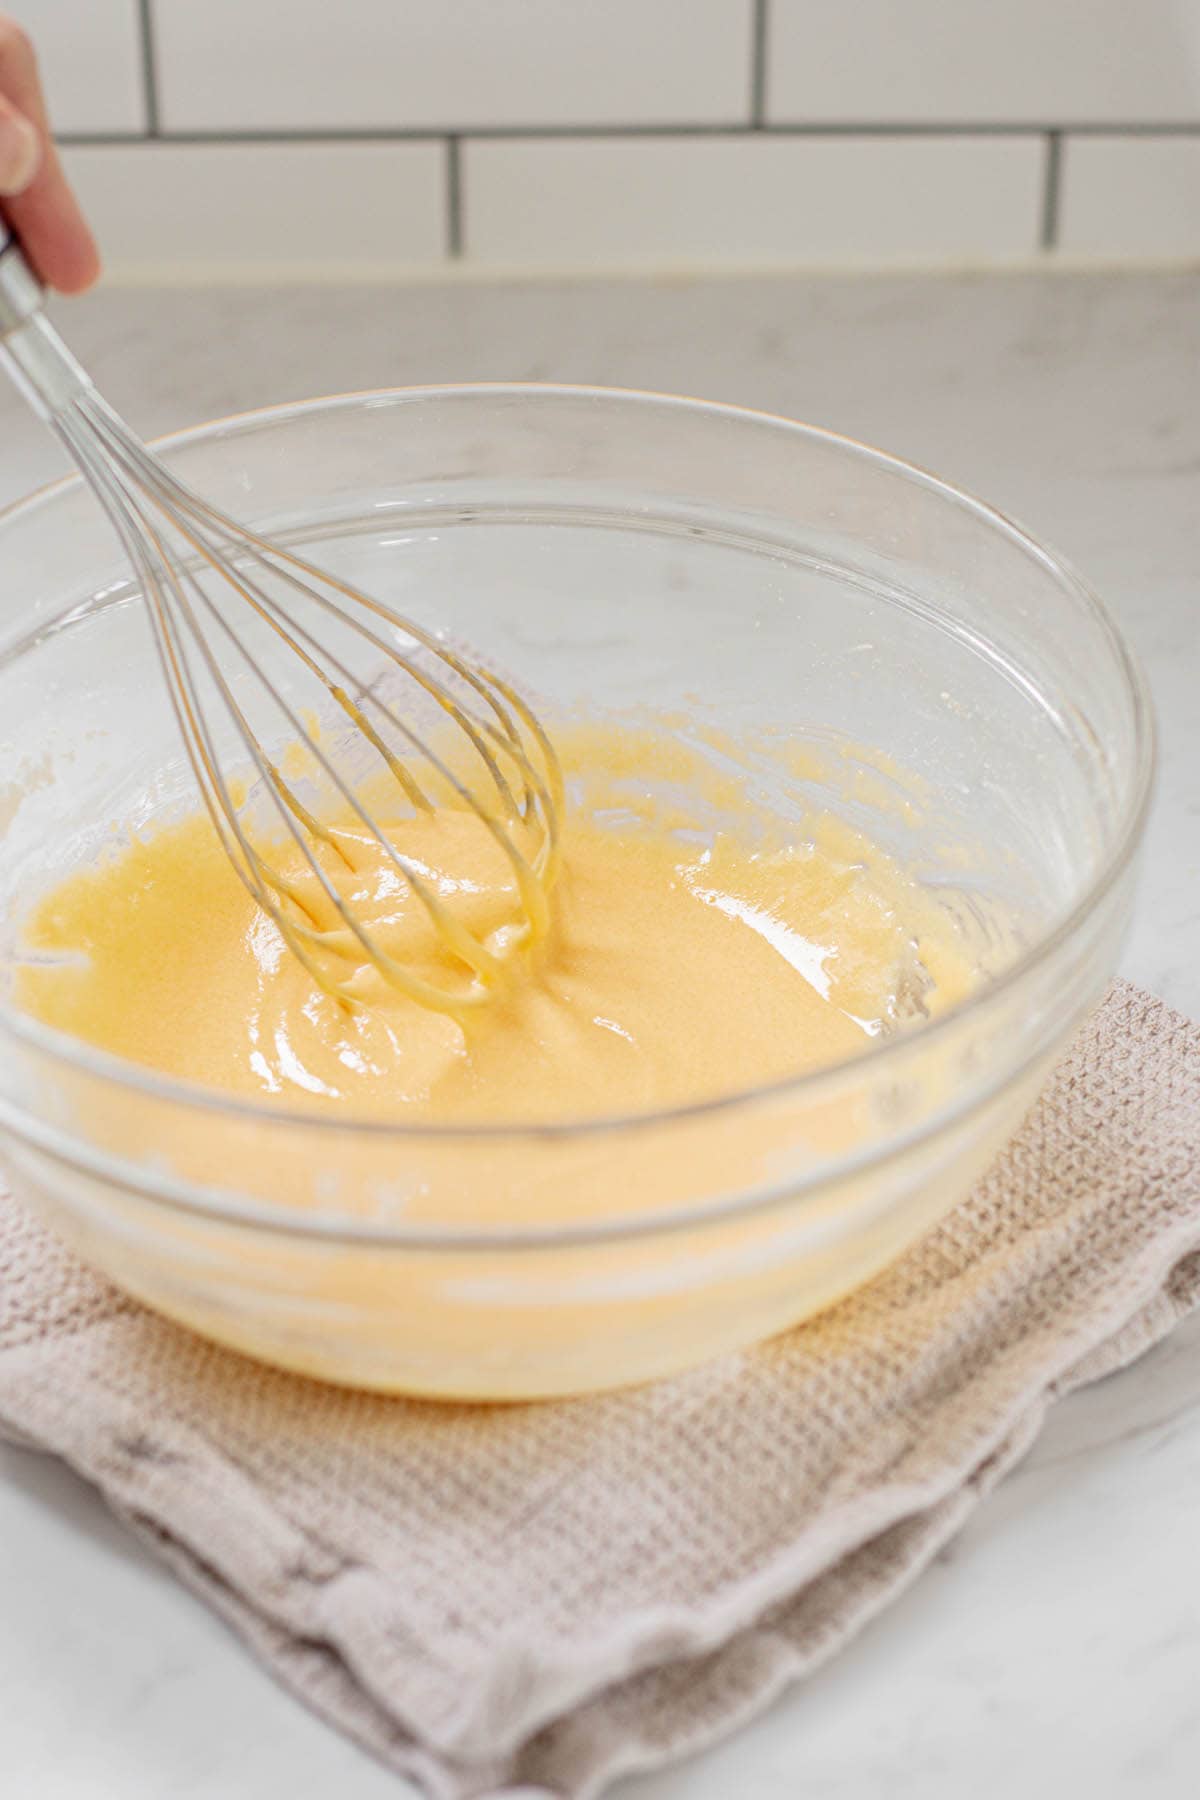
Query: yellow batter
x: 685, y: 960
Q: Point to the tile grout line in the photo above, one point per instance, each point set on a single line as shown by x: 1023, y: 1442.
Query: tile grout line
x: 375, y: 134
x: 149, y: 69
x: 760, y: 26
x: 454, y: 198
x: 1052, y: 190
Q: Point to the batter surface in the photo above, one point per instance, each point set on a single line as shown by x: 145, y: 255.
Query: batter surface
x: 698, y: 948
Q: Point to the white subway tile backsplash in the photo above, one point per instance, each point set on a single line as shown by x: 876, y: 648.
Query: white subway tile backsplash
x: 753, y: 200
x: 91, y: 61
x: 284, y: 64
x: 1127, y: 196
x: 977, y: 61
x: 302, y: 137
x: 172, y: 210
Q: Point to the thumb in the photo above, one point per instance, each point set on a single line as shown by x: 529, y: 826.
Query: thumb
x: 20, y: 149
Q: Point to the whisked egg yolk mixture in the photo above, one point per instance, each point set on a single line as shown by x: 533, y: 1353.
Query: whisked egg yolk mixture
x: 691, y: 954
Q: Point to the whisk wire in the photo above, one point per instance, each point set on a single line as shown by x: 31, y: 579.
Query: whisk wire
x: 273, y: 555
x: 532, y: 878
x: 133, y: 489
x: 546, y: 793
x: 122, y: 513
x: 458, y: 938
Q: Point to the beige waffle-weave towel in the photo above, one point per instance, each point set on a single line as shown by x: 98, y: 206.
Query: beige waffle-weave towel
x: 532, y: 1600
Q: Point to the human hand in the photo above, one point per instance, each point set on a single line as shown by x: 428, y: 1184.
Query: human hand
x: 34, y: 194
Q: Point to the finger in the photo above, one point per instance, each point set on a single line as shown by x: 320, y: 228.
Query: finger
x: 20, y: 150
x: 46, y: 217
x: 54, y: 233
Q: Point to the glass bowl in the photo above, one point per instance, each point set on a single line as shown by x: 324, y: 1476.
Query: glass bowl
x: 618, y: 550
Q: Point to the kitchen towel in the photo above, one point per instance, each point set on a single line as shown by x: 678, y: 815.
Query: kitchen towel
x: 533, y: 1600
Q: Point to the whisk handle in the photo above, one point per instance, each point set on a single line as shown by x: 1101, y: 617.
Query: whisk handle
x: 21, y: 293
x: 30, y: 348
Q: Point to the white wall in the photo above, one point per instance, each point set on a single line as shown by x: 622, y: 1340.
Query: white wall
x: 375, y: 136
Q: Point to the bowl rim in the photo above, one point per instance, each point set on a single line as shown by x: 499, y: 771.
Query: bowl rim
x: 80, y: 1056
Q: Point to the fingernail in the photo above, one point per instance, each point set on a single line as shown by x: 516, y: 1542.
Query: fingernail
x: 20, y: 153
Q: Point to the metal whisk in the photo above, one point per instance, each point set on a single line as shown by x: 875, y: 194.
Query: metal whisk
x: 192, y: 562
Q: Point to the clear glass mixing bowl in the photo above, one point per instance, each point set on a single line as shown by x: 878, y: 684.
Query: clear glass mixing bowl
x: 616, y: 550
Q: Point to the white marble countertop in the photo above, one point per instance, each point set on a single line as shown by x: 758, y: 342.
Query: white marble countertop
x: 1055, y: 1647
